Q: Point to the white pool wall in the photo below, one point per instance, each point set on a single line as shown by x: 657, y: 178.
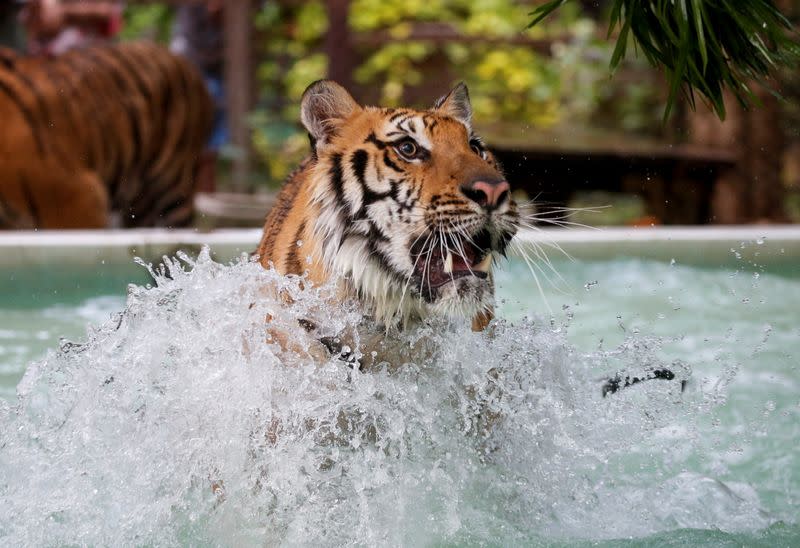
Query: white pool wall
x: 762, y: 244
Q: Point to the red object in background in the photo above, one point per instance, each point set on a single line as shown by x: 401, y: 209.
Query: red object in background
x: 113, y: 25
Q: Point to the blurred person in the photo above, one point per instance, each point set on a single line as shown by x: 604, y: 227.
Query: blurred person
x: 198, y: 36
x: 55, y: 26
x: 10, y: 28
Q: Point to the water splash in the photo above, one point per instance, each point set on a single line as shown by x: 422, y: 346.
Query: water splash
x: 181, y: 421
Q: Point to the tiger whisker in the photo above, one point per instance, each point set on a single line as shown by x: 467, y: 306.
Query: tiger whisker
x: 413, y: 269
x: 565, y: 209
x: 459, y: 245
x: 540, y: 254
x: 446, y: 250
x: 551, y: 244
x: 426, y: 275
x: 531, y: 265
x: 562, y: 223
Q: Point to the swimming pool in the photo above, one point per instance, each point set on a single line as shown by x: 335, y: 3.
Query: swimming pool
x: 714, y: 465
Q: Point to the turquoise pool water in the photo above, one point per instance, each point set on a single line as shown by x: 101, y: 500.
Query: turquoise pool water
x: 717, y: 465
x: 39, y: 308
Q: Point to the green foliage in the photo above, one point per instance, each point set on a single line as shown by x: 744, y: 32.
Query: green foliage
x: 509, y: 79
x: 703, y: 45
x: 151, y: 21
x: 373, y: 14
x: 508, y: 82
x: 292, y: 35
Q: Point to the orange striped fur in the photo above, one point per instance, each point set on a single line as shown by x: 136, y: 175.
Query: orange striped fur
x: 110, y: 127
x: 391, y: 205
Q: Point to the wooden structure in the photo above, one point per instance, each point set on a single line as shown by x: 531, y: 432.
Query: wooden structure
x: 676, y: 181
x: 239, y: 83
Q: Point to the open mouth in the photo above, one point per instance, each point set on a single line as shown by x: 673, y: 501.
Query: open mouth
x: 451, y: 257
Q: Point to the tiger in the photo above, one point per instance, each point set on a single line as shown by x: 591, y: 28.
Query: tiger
x: 407, y: 210
x: 100, y: 136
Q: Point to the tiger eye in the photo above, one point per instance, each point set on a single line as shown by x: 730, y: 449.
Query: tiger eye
x: 407, y: 148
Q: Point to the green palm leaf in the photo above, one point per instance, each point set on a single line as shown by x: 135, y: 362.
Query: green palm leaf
x: 706, y: 46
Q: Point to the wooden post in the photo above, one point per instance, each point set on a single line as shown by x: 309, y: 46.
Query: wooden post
x: 238, y: 85
x: 338, y: 43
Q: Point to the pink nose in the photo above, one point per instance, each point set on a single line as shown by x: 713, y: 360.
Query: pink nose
x: 487, y: 195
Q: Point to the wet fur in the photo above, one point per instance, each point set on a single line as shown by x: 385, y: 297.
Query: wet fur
x: 355, y: 208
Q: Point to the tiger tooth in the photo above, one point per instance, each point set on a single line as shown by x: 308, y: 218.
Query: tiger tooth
x: 485, y: 264
x: 448, y: 263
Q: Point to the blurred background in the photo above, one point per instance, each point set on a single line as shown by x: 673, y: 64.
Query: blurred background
x: 568, y: 132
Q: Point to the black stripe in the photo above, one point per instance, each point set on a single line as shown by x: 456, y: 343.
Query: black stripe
x: 293, y: 263
x: 26, y: 113
x: 132, y: 71
x: 376, y: 254
x: 389, y: 163
x: 7, y: 58
x: 133, y: 117
x: 149, y: 102
x: 375, y: 234
x: 58, y: 82
x: 26, y: 191
x: 41, y: 105
x: 337, y: 177
x: 174, y: 91
x: 377, y: 142
x: 71, y: 105
x: 76, y: 63
x: 359, y: 164
x: 8, y: 217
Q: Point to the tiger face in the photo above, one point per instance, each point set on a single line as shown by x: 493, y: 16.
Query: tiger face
x: 407, y: 206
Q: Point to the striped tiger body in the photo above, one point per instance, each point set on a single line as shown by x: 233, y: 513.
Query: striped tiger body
x: 406, y: 208
x: 100, y: 129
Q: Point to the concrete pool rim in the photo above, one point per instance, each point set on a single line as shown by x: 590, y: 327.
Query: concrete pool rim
x: 762, y: 244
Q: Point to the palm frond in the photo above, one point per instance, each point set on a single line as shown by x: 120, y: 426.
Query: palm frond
x: 704, y: 46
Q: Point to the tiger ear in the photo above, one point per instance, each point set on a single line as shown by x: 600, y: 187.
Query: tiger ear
x: 456, y: 104
x: 324, y: 107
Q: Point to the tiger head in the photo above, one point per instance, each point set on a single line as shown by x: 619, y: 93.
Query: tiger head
x: 409, y: 207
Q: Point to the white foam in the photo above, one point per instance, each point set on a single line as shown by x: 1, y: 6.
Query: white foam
x: 491, y: 438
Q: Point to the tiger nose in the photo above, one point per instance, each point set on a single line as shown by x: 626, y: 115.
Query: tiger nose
x: 488, y: 195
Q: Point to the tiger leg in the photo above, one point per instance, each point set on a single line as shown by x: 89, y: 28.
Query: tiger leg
x: 66, y: 200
